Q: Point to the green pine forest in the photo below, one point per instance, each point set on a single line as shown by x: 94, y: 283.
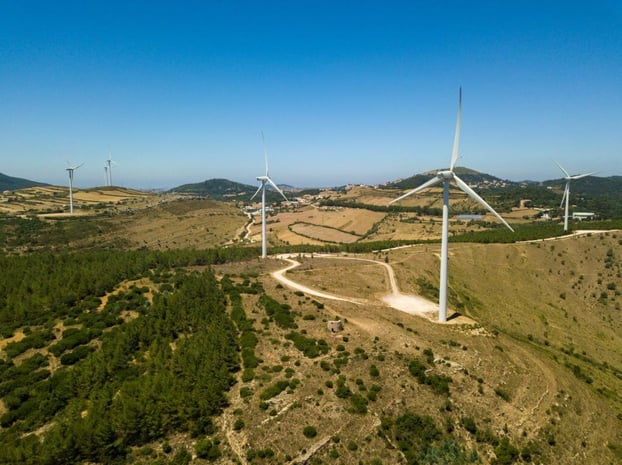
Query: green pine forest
x: 109, y: 382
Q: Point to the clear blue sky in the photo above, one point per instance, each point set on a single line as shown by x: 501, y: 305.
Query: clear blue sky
x: 362, y: 91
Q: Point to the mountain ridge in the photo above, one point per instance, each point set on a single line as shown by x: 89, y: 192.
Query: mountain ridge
x: 9, y: 183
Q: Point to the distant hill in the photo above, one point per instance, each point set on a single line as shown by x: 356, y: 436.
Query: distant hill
x: 467, y: 175
x: 220, y: 189
x: 9, y: 183
x: 223, y: 189
x: 600, y: 195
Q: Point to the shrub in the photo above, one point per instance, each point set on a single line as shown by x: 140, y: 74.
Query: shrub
x: 503, y: 394
x: 358, y: 404
x: 207, y: 449
x: 469, y: 424
x: 274, y: 390
x: 373, y: 371
x: 506, y: 453
x: 238, y: 425
x: 309, y: 431
x: 76, y: 355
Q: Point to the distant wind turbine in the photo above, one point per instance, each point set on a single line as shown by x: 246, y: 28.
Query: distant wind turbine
x: 109, y: 163
x: 445, y: 177
x: 262, y: 187
x: 70, y: 169
x: 566, y: 196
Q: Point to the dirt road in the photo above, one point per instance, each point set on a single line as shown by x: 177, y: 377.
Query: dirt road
x: 414, y: 305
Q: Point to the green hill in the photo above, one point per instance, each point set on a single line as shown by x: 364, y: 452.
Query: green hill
x: 467, y: 175
x: 9, y: 183
x: 220, y: 189
x: 224, y: 189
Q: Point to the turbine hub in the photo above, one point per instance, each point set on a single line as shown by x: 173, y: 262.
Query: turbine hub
x: 447, y: 174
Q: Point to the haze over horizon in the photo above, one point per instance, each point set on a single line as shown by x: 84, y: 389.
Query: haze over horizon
x: 179, y: 93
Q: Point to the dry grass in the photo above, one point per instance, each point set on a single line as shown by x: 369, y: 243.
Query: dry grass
x: 343, y: 225
x: 181, y: 224
x: 54, y: 201
x: 323, y: 233
x: 364, y: 280
x: 514, y: 289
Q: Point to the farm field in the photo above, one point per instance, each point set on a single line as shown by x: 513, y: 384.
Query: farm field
x: 54, y: 201
x: 341, y: 225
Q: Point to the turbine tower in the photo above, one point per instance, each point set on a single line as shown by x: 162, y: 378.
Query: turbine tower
x: 70, y: 169
x: 262, y: 187
x: 566, y: 196
x: 109, y: 163
x: 445, y: 177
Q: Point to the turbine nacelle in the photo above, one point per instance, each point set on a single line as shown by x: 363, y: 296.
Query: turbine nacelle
x: 446, y: 175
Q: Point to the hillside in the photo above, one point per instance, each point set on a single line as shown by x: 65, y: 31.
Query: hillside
x: 220, y: 189
x: 155, y: 358
x: 53, y: 201
x: 8, y: 183
x: 467, y: 175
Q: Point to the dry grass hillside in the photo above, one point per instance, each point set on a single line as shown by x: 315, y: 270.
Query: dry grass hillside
x: 181, y: 224
x: 54, y: 200
x: 541, y: 367
x: 535, y: 377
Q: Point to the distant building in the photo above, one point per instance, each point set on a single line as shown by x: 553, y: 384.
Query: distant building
x: 335, y: 326
x: 583, y: 216
x: 469, y: 217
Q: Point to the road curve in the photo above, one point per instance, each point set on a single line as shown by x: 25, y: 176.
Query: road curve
x: 414, y: 305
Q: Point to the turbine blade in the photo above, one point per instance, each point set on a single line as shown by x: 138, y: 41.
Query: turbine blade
x: 566, y: 189
x: 431, y: 182
x: 454, y: 153
x: 277, y: 188
x: 471, y: 193
x: 265, y: 152
x: 562, y: 168
x: 257, y: 192
x: 579, y: 176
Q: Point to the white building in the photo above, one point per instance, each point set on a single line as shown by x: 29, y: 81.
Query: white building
x: 583, y: 216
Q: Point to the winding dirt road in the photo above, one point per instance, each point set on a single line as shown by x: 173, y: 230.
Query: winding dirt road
x: 414, y: 305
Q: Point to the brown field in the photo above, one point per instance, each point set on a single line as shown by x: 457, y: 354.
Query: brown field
x: 323, y: 233
x: 349, y: 278
x: 352, y: 221
x: 54, y: 200
x: 182, y: 224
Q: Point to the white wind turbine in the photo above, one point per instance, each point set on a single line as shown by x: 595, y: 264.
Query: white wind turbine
x: 70, y: 169
x: 262, y: 187
x: 108, y: 168
x: 566, y: 196
x: 445, y: 177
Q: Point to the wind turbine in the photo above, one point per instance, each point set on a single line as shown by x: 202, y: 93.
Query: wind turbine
x: 566, y: 196
x: 262, y: 187
x: 445, y: 177
x: 70, y: 169
x: 108, y: 167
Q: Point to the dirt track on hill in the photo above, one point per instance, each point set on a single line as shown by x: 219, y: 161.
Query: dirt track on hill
x: 412, y: 304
